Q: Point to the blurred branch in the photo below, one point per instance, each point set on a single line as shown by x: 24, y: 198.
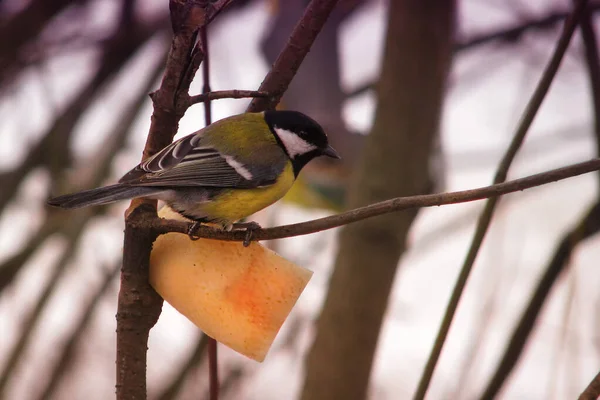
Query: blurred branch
x: 63, y: 365
x: 174, y: 388
x: 162, y: 226
x: 593, y: 390
x: 486, y: 216
x: 592, y: 62
x: 11, y: 267
x: 506, y: 35
x: 52, y: 149
x: 513, y: 34
x: 73, y: 233
x: 588, y: 226
x: 225, y: 94
x: 232, y: 377
x: 24, y: 27
x: 291, y: 57
x: 98, y: 169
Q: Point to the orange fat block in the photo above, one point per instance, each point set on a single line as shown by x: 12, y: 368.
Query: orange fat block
x: 238, y: 295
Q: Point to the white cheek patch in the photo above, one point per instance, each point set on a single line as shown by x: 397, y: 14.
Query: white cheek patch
x: 293, y: 143
x: 239, y: 167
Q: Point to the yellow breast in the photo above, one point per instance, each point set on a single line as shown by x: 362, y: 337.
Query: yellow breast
x: 233, y: 205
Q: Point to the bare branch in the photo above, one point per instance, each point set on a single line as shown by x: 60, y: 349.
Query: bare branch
x: 62, y: 366
x: 588, y: 226
x: 23, y: 28
x: 290, y: 58
x: 513, y: 34
x: 162, y: 226
x: 486, y: 216
x: 509, y: 35
x: 225, y: 94
x: 139, y: 306
x: 592, y: 62
x: 174, y: 388
x: 116, y: 53
x: 31, y: 320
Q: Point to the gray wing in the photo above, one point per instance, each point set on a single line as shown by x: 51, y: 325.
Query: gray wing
x: 189, y: 162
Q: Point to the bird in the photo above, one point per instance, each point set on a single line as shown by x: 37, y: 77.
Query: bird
x: 222, y: 173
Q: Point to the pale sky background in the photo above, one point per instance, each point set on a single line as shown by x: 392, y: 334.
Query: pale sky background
x: 489, y: 88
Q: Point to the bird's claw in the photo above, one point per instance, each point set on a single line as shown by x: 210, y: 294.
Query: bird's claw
x: 193, y: 229
x: 249, y: 227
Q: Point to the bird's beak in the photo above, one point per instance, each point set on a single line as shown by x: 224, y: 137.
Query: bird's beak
x: 330, y: 152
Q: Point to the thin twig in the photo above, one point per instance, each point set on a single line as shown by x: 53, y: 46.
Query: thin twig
x: 501, y: 174
x: 67, y: 356
x: 32, y: 319
x: 524, y: 327
x: 162, y: 226
x: 174, y: 388
x: 213, y: 366
x: 588, y: 226
x: 509, y: 35
x: 225, y: 94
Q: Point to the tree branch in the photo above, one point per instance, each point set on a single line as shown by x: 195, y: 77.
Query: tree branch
x: 162, y: 226
x: 290, y: 58
x: 139, y: 306
x: 592, y: 63
x: 509, y: 35
x: 225, y: 94
x: 588, y: 226
x: 486, y: 216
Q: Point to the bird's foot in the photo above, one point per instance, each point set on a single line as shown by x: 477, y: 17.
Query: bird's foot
x: 193, y: 229
x: 249, y: 227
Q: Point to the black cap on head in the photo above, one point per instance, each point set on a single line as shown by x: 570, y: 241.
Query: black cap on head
x: 302, y: 125
x: 301, y: 137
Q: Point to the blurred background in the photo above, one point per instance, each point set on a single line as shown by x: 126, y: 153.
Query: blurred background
x: 74, y: 114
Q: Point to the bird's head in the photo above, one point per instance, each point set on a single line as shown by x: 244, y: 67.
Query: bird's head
x: 301, y: 137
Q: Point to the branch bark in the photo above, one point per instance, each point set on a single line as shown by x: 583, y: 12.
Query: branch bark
x: 225, y: 94
x: 162, y: 226
x: 139, y: 306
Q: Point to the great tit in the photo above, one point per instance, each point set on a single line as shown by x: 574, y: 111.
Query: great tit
x: 223, y: 172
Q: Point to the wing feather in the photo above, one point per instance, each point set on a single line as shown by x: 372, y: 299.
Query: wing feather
x: 188, y: 162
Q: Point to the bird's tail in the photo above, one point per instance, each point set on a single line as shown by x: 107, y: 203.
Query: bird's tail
x: 103, y: 195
